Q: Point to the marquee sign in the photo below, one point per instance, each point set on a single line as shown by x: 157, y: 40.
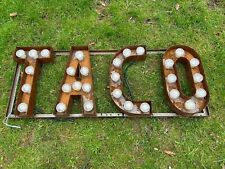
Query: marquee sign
x: 78, y: 83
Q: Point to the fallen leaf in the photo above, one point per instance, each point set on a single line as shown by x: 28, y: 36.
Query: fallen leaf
x: 91, y: 43
x: 168, y: 152
x: 217, y: 34
x: 13, y: 14
x: 177, y: 6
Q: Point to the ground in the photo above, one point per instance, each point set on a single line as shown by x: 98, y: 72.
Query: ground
x: 114, y: 143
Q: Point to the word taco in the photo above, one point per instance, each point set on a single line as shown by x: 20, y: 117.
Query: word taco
x: 77, y: 82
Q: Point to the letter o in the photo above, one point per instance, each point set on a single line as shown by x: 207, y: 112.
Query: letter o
x: 180, y: 103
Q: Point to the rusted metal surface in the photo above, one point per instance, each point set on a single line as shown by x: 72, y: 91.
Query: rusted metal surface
x: 67, y: 98
x: 119, y: 102
x: 30, y: 98
x: 178, y: 104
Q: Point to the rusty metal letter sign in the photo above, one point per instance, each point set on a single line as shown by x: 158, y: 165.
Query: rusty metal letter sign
x: 180, y: 103
x: 129, y: 107
x: 78, y: 81
x: 32, y: 58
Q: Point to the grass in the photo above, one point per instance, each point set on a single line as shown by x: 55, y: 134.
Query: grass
x: 114, y: 143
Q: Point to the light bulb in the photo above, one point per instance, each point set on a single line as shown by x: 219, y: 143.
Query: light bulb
x: 200, y: 93
x: 140, y: 50
x: 70, y: 71
x: 33, y: 53
x: 171, y: 78
x: 145, y: 107
x: 88, y: 105
x: 66, y: 88
x: 190, y: 105
x: 77, y: 85
x: 174, y: 94
x: 45, y: 53
x: 26, y: 88
x: 126, y: 52
x: 115, y: 76
x: 117, y: 62
x: 79, y: 55
x: 194, y: 62
x: 86, y: 87
x: 84, y: 71
x: 117, y: 93
x: 22, y: 107
x: 21, y: 54
x: 60, y: 107
x: 29, y: 70
x: 197, y: 77
x: 179, y: 52
x: 128, y: 105
x: 168, y: 63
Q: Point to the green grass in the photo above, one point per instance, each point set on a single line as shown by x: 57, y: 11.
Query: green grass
x: 114, y: 143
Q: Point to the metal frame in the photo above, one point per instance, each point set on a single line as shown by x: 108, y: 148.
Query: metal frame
x: 12, y: 98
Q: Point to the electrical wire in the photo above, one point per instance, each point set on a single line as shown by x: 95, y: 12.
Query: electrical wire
x: 6, y: 120
x: 125, y: 80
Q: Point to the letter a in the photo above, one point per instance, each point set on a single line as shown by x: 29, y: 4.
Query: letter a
x: 77, y: 82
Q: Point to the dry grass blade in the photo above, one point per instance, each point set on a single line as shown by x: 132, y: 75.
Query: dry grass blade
x: 170, y: 153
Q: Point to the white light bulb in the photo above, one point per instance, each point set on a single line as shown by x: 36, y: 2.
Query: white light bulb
x: 66, y: 88
x: 117, y: 62
x: 200, y: 93
x: 179, y: 52
x: 79, y: 55
x: 86, y: 87
x: 145, y: 107
x: 29, y: 70
x: 168, y: 63
x: 115, y: 76
x: 197, y: 77
x: 174, y: 94
x: 21, y: 54
x: 77, y: 85
x: 45, y: 53
x: 117, y: 93
x: 70, y: 71
x: 26, y: 88
x: 194, y: 62
x: 171, y: 78
x: 128, y: 105
x: 88, y: 105
x: 190, y: 105
x: 22, y: 107
x: 84, y: 71
x: 140, y: 50
x: 33, y: 53
x: 126, y: 52
x: 60, y: 107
